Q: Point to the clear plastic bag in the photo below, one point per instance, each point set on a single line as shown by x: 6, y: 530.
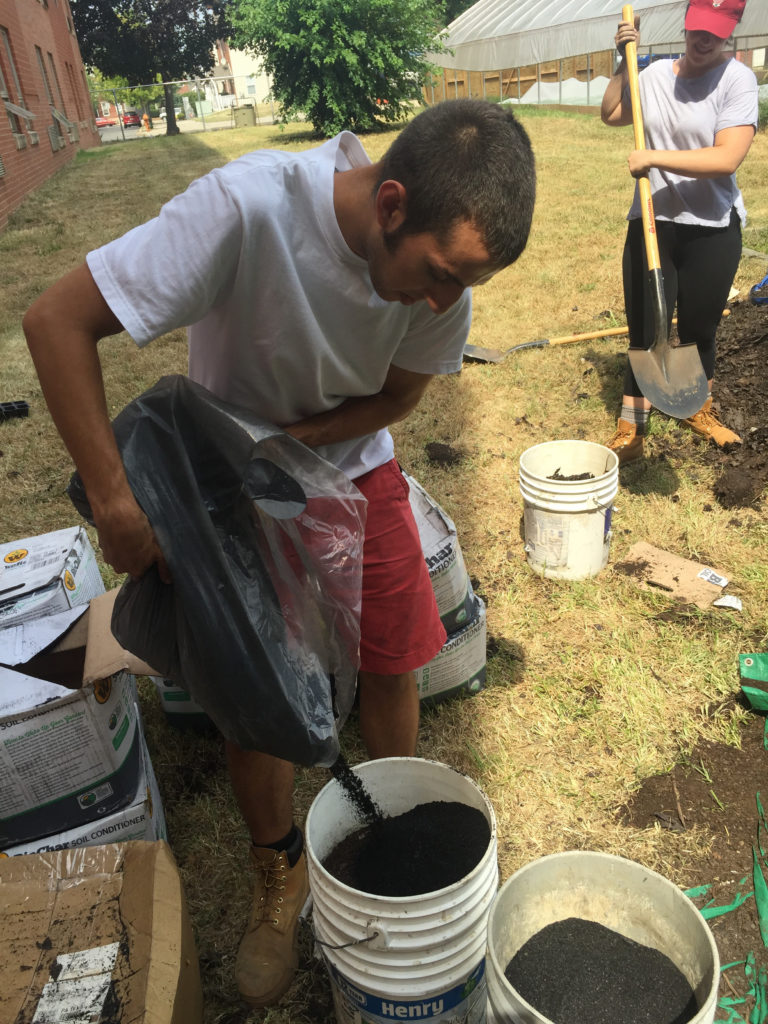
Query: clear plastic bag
x: 264, y: 540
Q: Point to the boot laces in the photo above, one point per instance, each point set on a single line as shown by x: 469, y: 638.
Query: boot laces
x: 620, y: 438
x: 270, y: 902
x: 706, y: 420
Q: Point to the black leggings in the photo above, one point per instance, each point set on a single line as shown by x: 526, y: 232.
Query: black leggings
x: 698, y: 265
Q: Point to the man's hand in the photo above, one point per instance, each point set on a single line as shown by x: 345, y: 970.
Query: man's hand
x: 127, y: 540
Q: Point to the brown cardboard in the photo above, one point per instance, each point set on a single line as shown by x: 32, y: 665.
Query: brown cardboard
x: 655, y: 569
x: 124, y: 899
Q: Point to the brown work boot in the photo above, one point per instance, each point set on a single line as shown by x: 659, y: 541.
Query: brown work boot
x: 626, y: 442
x: 705, y: 423
x: 268, y: 955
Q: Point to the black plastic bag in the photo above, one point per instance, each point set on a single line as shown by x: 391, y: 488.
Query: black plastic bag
x: 263, y: 539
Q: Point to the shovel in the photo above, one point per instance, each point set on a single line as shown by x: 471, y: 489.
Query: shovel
x: 671, y: 378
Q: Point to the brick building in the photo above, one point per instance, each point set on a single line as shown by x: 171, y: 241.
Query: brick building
x: 47, y: 113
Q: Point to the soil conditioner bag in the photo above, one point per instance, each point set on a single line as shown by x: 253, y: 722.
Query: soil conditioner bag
x: 264, y: 540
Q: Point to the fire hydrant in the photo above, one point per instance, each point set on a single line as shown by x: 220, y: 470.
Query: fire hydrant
x: 146, y: 122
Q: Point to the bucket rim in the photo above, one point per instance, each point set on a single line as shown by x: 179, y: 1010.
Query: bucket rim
x: 314, y: 862
x: 596, y: 855
x: 611, y: 455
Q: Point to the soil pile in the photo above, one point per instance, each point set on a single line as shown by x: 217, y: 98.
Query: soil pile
x: 580, y: 972
x: 425, y: 849
x: 740, y: 399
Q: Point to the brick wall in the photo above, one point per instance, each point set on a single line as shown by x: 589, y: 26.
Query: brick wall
x: 26, y: 149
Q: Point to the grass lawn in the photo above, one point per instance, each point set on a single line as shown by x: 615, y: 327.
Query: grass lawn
x: 590, y: 687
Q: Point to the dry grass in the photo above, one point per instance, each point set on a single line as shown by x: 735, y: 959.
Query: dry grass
x: 588, y: 690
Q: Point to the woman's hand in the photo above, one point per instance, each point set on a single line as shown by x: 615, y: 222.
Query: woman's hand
x: 627, y: 34
x: 640, y: 162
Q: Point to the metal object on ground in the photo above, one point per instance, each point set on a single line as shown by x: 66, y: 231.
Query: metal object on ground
x: 671, y: 378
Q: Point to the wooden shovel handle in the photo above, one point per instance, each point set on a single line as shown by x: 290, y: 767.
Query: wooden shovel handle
x: 646, y: 203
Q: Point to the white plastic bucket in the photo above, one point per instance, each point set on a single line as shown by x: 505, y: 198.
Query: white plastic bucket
x: 413, y: 957
x: 617, y: 893
x: 568, y: 522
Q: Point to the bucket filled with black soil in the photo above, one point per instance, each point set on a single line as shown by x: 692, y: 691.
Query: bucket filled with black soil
x: 568, y: 490
x: 589, y: 938
x: 401, y: 898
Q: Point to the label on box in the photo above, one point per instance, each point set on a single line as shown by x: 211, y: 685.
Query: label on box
x: 47, y: 574
x: 72, y: 756
x: 143, y: 818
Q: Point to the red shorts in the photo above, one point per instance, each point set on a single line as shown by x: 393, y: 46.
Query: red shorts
x: 400, y: 627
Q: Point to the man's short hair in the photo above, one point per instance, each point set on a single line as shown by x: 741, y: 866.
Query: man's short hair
x: 466, y: 160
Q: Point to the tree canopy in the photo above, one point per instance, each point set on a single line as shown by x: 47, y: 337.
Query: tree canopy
x: 343, y: 63
x: 141, y: 39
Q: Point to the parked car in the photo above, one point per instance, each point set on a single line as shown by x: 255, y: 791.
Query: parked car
x: 131, y: 119
x: 177, y: 111
x: 105, y: 122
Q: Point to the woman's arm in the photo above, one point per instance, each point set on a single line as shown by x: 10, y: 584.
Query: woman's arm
x: 613, y: 110
x: 723, y: 158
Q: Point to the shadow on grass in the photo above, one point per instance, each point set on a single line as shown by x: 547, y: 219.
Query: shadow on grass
x: 652, y: 475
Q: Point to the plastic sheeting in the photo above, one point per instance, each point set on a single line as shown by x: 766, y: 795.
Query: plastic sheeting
x: 263, y: 539
x: 498, y: 34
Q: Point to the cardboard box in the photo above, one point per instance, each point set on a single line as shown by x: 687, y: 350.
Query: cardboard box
x: 47, y: 574
x: 69, y: 730
x: 460, y: 664
x: 445, y: 561
x: 97, y: 934
x: 143, y: 818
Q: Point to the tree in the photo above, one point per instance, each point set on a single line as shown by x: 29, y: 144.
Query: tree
x: 453, y: 8
x: 140, y: 40
x: 344, y: 63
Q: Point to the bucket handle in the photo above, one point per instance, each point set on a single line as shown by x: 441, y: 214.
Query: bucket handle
x: 345, y: 945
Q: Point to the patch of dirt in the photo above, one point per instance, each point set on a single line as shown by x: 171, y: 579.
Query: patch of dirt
x: 740, y: 400
x: 443, y: 454
x: 715, y: 790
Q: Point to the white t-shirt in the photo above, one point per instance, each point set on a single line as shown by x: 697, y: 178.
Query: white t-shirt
x: 283, y: 318
x: 687, y: 113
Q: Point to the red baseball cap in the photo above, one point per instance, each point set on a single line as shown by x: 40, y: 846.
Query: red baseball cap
x: 719, y: 17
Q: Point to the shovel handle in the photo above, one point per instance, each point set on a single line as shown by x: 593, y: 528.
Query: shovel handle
x: 646, y: 203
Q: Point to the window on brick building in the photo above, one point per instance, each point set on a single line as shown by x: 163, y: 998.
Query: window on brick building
x: 11, y: 95
x: 60, y: 120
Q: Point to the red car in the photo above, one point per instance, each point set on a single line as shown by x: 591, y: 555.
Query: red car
x: 132, y: 119
x: 105, y: 122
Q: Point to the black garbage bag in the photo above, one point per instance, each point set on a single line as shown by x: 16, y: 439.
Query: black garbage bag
x: 263, y: 538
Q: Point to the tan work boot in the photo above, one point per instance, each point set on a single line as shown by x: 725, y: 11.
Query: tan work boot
x: 268, y: 955
x: 705, y: 423
x: 626, y: 442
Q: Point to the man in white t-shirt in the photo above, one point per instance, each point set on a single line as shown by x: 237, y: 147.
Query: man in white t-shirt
x: 323, y: 292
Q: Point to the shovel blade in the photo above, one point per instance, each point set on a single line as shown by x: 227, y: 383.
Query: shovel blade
x: 672, y: 379
x: 476, y: 353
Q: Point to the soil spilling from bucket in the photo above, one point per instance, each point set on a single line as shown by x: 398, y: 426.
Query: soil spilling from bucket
x: 355, y: 791
x: 580, y: 972
x: 557, y: 475
x: 422, y: 850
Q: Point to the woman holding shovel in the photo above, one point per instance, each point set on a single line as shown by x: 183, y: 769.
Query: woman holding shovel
x: 700, y: 115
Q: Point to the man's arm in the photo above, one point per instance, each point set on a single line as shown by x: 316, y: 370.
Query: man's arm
x: 356, y: 417
x: 63, y: 328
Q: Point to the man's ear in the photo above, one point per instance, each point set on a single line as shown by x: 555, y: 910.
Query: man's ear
x: 390, y: 205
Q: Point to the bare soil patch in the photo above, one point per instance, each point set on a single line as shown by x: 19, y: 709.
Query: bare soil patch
x: 741, y: 398
x: 713, y: 791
